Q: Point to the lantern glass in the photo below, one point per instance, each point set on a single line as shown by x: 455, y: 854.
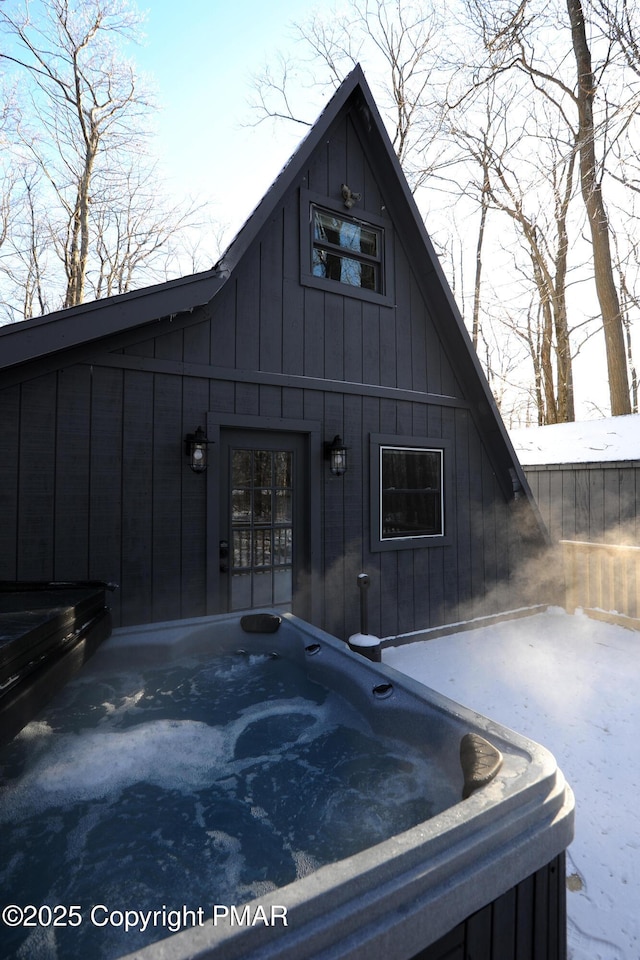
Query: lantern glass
x: 338, y: 457
x: 196, y: 450
x: 198, y: 457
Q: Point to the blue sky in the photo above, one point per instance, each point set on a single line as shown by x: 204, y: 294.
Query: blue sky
x: 200, y: 56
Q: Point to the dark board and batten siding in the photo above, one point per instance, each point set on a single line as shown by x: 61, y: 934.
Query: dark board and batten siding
x: 112, y: 497
x: 93, y: 471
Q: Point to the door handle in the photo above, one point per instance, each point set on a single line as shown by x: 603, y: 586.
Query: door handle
x: 224, y: 556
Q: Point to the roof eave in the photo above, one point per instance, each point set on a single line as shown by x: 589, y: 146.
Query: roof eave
x: 31, y: 340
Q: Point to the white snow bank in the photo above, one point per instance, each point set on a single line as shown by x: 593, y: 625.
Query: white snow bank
x: 571, y: 684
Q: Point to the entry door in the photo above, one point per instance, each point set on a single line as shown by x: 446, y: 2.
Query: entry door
x: 263, y: 530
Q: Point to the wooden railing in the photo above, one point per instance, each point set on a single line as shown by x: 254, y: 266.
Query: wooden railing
x: 601, y: 576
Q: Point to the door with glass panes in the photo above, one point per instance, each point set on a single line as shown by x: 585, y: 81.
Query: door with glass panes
x: 262, y: 545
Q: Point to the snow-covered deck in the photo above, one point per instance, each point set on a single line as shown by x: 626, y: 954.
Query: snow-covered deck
x: 570, y: 683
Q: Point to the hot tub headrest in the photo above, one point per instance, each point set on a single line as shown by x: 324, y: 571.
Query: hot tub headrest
x: 260, y: 622
x: 480, y: 762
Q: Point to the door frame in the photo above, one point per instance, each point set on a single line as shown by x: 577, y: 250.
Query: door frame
x: 308, y: 605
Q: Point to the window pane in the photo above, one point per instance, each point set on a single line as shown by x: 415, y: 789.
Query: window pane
x: 282, y: 586
x: 262, y: 589
x: 241, y: 506
x: 241, y: 548
x: 411, y: 493
x: 282, y: 542
x: 283, y: 506
x: 241, y: 591
x: 282, y: 463
x: 344, y: 270
x: 262, y: 468
x: 262, y: 506
x: 329, y: 228
x: 241, y: 468
x: 262, y: 548
x: 347, y: 251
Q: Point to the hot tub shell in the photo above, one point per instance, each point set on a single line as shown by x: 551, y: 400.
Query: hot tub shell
x: 414, y: 895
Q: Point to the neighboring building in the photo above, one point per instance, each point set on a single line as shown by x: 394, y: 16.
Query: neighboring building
x: 328, y: 315
x: 585, y: 477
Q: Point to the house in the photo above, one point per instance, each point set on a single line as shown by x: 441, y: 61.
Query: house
x: 327, y: 319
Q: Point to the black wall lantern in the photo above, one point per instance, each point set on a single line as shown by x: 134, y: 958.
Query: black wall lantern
x: 336, y: 453
x: 195, y: 447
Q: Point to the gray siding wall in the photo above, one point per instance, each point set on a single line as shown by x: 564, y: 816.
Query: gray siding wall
x: 96, y: 486
x: 598, y: 502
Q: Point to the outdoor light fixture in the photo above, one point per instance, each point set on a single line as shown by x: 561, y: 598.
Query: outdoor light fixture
x: 336, y: 453
x: 196, y: 449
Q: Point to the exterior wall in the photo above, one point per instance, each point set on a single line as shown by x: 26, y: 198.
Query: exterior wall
x: 95, y: 484
x: 598, y: 502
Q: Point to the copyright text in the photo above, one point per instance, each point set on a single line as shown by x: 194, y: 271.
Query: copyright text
x: 173, y: 920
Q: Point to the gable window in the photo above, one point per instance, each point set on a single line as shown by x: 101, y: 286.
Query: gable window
x: 409, y: 487
x: 346, y: 250
x: 345, y: 254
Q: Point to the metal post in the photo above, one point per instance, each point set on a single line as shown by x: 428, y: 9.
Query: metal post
x: 364, y: 643
x: 363, y: 583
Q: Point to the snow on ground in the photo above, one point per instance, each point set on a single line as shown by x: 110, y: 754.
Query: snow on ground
x: 571, y: 684
x: 587, y: 441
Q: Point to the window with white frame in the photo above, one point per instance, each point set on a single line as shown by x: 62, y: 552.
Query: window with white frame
x: 410, y: 488
x: 411, y: 493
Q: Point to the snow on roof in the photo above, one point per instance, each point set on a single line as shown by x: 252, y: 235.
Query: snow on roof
x: 613, y: 438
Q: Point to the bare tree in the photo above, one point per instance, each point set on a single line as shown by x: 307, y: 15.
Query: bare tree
x: 137, y: 233
x: 508, y: 31
x: 81, y: 130
x: 8, y: 176
x: 591, y: 185
x: 403, y: 37
x: 534, y: 190
x: 86, y: 98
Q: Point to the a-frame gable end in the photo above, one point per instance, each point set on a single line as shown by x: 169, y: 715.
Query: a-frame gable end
x: 435, y: 322
x: 397, y: 327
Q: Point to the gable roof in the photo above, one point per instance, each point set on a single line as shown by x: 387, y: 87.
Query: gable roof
x: 57, y: 333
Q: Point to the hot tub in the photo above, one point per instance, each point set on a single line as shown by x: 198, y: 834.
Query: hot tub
x: 422, y: 885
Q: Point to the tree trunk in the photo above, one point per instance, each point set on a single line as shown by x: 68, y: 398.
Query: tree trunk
x: 564, y: 364
x: 475, y: 330
x: 598, y: 223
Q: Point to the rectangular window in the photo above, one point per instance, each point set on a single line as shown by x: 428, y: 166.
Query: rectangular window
x: 346, y: 250
x: 411, y: 493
